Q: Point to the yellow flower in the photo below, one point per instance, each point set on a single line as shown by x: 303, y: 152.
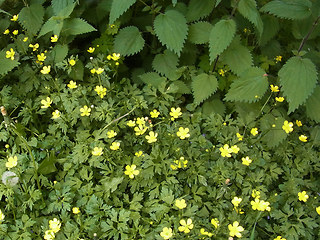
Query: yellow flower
x: 15, y: 32
x: 255, y: 194
x: 76, y: 210
x: 56, y: 114
x: 139, y: 154
x: 93, y: 70
x: 140, y: 129
x: 215, y: 222
x: 85, y: 111
x: 99, y: 70
x: 55, y: 225
x: 152, y: 137
x: 235, y: 229
x: 279, y: 238
x: 14, y: 18
x: 2, y: 216
x: 299, y: 123
x: 287, y: 126
x: 154, y: 113
x: 141, y: 121
x: 278, y: 58
x: 175, y: 113
x: 46, y: 102
x: 25, y: 39
x: 274, y: 88
x: 303, y: 196
x: 130, y: 171
x: 72, y: 62
x: 254, y: 131
x: 236, y: 201
x: 46, y: 69
x: 204, y: 232
x: 54, y: 38
x: 181, y: 163
x: 101, y: 91
x: 166, y: 233
x: 260, y: 205
x: 303, y: 138
x: 235, y: 149
x: 49, y: 235
x: 111, y: 134
x: 34, y: 47
x: 12, y: 162
x: 10, y: 54
x: 186, y: 226
x: 181, y: 204
x: 97, y: 151
x: 246, y: 161
x: 115, y: 146
x: 222, y: 72
x: 225, y: 151
x: 115, y: 56
x: 91, y: 49
x: 279, y: 99
x: 131, y: 123
x: 239, y: 136
x: 183, y: 133
x: 41, y: 57
x: 72, y: 85
x: 318, y: 210
x: 6, y: 32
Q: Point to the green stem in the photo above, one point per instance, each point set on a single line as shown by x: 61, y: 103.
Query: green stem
x: 315, y: 23
x: 119, y: 118
x: 265, y: 103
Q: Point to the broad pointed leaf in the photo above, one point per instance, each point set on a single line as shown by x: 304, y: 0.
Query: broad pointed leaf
x: 6, y: 64
x: 199, y: 32
x: 128, y: 41
x: 272, y: 126
x: 31, y: 18
x: 152, y: 78
x: 248, y: 9
x: 119, y: 7
x: 76, y: 26
x: 203, y: 86
x: 199, y: 9
x: 313, y: 105
x: 166, y: 64
x: 270, y: 28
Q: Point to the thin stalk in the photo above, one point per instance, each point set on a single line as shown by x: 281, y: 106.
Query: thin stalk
x: 119, y: 118
x: 265, y: 103
x: 304, y: 40
x: 215, y: 63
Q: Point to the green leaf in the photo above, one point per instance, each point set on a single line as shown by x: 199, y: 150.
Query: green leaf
x: 313, y: 105
x: 47, y: 166
x: 166, y: 64
x: 272, y: 127
x: 59, y: 52
x: 51, y: 25
x: 220, y: 37
x: 182, y: 87
x: 6, y: 64
x: 298, y: 78
x: 248, y: 9
x: 270, y: 29
x: 199, y: 32
x: 58, y: 5
x: 65, y: 12
x: 237, y: 57
x: 289, y: 9
x: 152, y: 78
x: 31, y: 18
x: 249, y: 87
x: 171, y: 29
x: 76, y: 26
x: 129, y: 41
x: 77, y: 71
x: 119, y: 7
x: 214, y: 106
x: 203, y: 86
x: 199, y: 9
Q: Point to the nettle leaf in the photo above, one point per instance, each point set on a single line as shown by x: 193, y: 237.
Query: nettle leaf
x: 289, y: 9
x: 171, y: 29
x: 76, y: 26
x: 313, y: 105
x: 58, y: 5
x: 166, y: 64
x: 31, y: 18
x: 298, y: 78
x: 51, y: 25
x: 119, y: 7
x: 237, y: 57
x: 249, y: 87
x: 203, y: 86
x: 270, y: 29
x: 59, y: 52
x: 199, y: 9
x: 248, y: 9
x: 152, y: 78
x: 128, y: 41
x: 6, y: 64
x: 272, y: 126
x: 220, y: 37
x: 199, y: 32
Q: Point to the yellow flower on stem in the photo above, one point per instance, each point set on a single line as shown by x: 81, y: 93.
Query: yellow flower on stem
x: 131, y: 123
x: 318, y: 210
x: 299, y: 123
x: 97, y: 151
x: 91, y: 50
x: 75, y: 210
x: 115, y: 146
x: 140, y: 129
x: 186, y: 226
x: 2, y: 216
x: 225, y: 151
x: 56, y: 114
x: 10, y: 54
x: 255, y: 194
x: 111, y: 134
x: 279, y: 238
x: 175, y: 113
x: 49, y: 235
x: 166, y: 233
x: 181, y: 204
x: 14, y: 18
x: 235, y: 149
x: 154, y: 113
x: 204, y: 232
x: 25, y: 39
x: 235, y: 229
x: 6, y: 32
x: 287, y: 126
x: 260, y: 205
x: 46, y: 102
x: 278, y: 58
x: 12, y: 162
x: 303, y: 196
x: 99, y: 71
x: 239, y: 136
x: 55, y: 225
x: 72, y: 85
x: 274, y: 88
x: 15, y: 32
x: 41, y: 57
x: 152, y: 137
x: 131, y: 171
x: 254, y: 131
x: 181, y: 163
x: 115, y: 56
x: 54, y: 38
x: 34, y: 46
x: 101, y: 91
x: 303, y: 138
x: 85, y: 111
x: 183, y: 133
x: 246, y: 161
x: 139, y: 154
x: 46, y: 70
x: 236, y: 201
x: 215, y: 222
x: 72, y: 62
x: 279, y: 99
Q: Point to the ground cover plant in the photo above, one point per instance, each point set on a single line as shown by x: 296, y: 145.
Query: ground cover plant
x: 132, y: 119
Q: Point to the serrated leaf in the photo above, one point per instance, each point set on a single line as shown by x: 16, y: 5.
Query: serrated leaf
x: 182, y: 87
x: 76, y: 26
x: 214, y: 106
x: 152, y: 78
x: 199, y: 32
x: 313, y: 105
x: 6, y: 64
x: 249, y: 87
x: 272, y: 126
x: 166, y: 64
x: 171, y: 29
x: 199, y: 9
x: 220, y: 37
x: 203, y: 86
x: 270, y: 29
x: 289, y: 9
x: 58, y: 5
x: 128, y: 41
x: 51, y: 25
x: 31, y: 18
x: 298, y: 78
x: 248, y: 9
x: 237, y: 57
x: 119, y: 7
x: 59, y: 52
x: 66, y: 11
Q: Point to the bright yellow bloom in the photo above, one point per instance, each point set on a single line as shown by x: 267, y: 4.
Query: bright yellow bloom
x: 166, y: 233
x: 279, y: 238
x: 183, y: 133
x: 140, y: 129
x: 225, y: 151
x: 235, y: 229
x: 91, y: 50
x: 10, y: 54
x: 235, y: 149
x: 25, y: 39
x: 154, y: 113
x: 85, y: 111
x: 46, y: 69
x: 152, y: 137
x: 115, y: 146
x: 72, y: 62
x: 46, y: 102
x: 181, y: 163
x: 41, y: 57
x: 115, y: 56
x: 278, y: 58
x: 93, y: 70
x: 175, y: 113
x: 303, y: 196
x: 2, y: 216
x: 239, y: 136
x: 215, y: 222
x: 181, y: 204
x: 279, y: 99
x: 15, y: 32
x: 99, y: 70
x: 49, y: 235
x: 303, y: 138
x: 131, y: 123
x: 287, y: 126
x: 72, y: 85
x: 12, y: 162
x: 255, y: 194
x: 111, y: 134
x: 76, y: 210
x: 14, y: 18
x: 186, y: 226
x: 222, y: 72
x: 54, y: 38
x: 318, y: 210
x: 246, y: 161
x: 139, y: 154
x: 131, y: 171
x: 6, y: 32
x: 274, y: 88
x: 34, y: 47
x: 254, y: 131
x: 101, y: 91
x: 97, y: 151
x: 204, y: 232
x: 236, y: 201
x: 55, y: 225
x: 260, y: 205
x: 299, y: 123
x: 141, y: 121
x: 56, y: 114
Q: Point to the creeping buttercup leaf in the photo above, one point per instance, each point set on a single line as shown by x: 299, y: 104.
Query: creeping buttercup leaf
x: 128, y: 41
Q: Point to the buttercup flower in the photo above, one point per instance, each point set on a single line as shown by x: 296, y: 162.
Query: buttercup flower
x: 255, y: 194
x: 235, y: 229
x: 15, y: 32
x: 239, y: 136
x: 131, y: 123
x: 166, y: 233
x: 54, y: 38
x: 91, y: 49
x: 279, y: 238
x: 236, y: 201
x: 115, y: 146
x: 10, y: 54
x: 222, y: 72
x: 46, y: 69
x: 246, y: 161
x: 85, y: 111
x: 225, y: 151
x: 318, y: 210
x: 41, y: 57
x: 14, y: 18
x: 34, y: 47
x: 140, y: 129
x: 12, y: 162
x: 260, y: 205
x: 299, y: 123
x: 76, y: 210
x: 278, y: 58
x: 111, y: 134
x: 287, y: 126
x: 175, y: 113
x: 215, y: 222
x: 25, y: 39
x: 303, y: 138
x: 235, y: 149
x: 141, y: 121
x: 152, y: 137
x: 6, y: 32
x: 204, y: 232
x: 101, y: 91
x: 279, y: 99
x: 181, y: 204
x: 186, y: 226
x: 55, y: 225
x: 99, y: 71
x: 181, y: 163
x: 254, y: 131
x: 303, y: 196
x: 97, y: 151
x: 131, y: 171
x: 183, y: 133
x: 72, y: 62
x: 72, y: 85
x: 154, y: 113
x: 274, y: 88
x: 49, y: 235
x: 1, y: 216
x: 46, y: 102
x: 139, y: 154
x: 56, y: 114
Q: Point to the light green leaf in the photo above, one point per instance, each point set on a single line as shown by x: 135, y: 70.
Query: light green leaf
x: 272, y: 127
x: 51, y: 25
x: 313, y: 105
x: 203, y: 86
x: 171, y: 29
x: 58, y: 5
x: 31, y: 18
x: 76, y: 26
x: 119, y: 7
x: 289, y: 9
x: 270, y: 29
x: 199, y: 9
x: 166, y: 64
x: 152, y: 78
x: 59, y: 52
x: 6, y: 64
x: 182, y: 87
x: 248, y: 9
x: 249, y: 87
x: 220, y: 37
x: 214, y: 106
x: 199, y: 32
x: 128, y: 41
x: 298, y: 78
x: 65, y: 12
